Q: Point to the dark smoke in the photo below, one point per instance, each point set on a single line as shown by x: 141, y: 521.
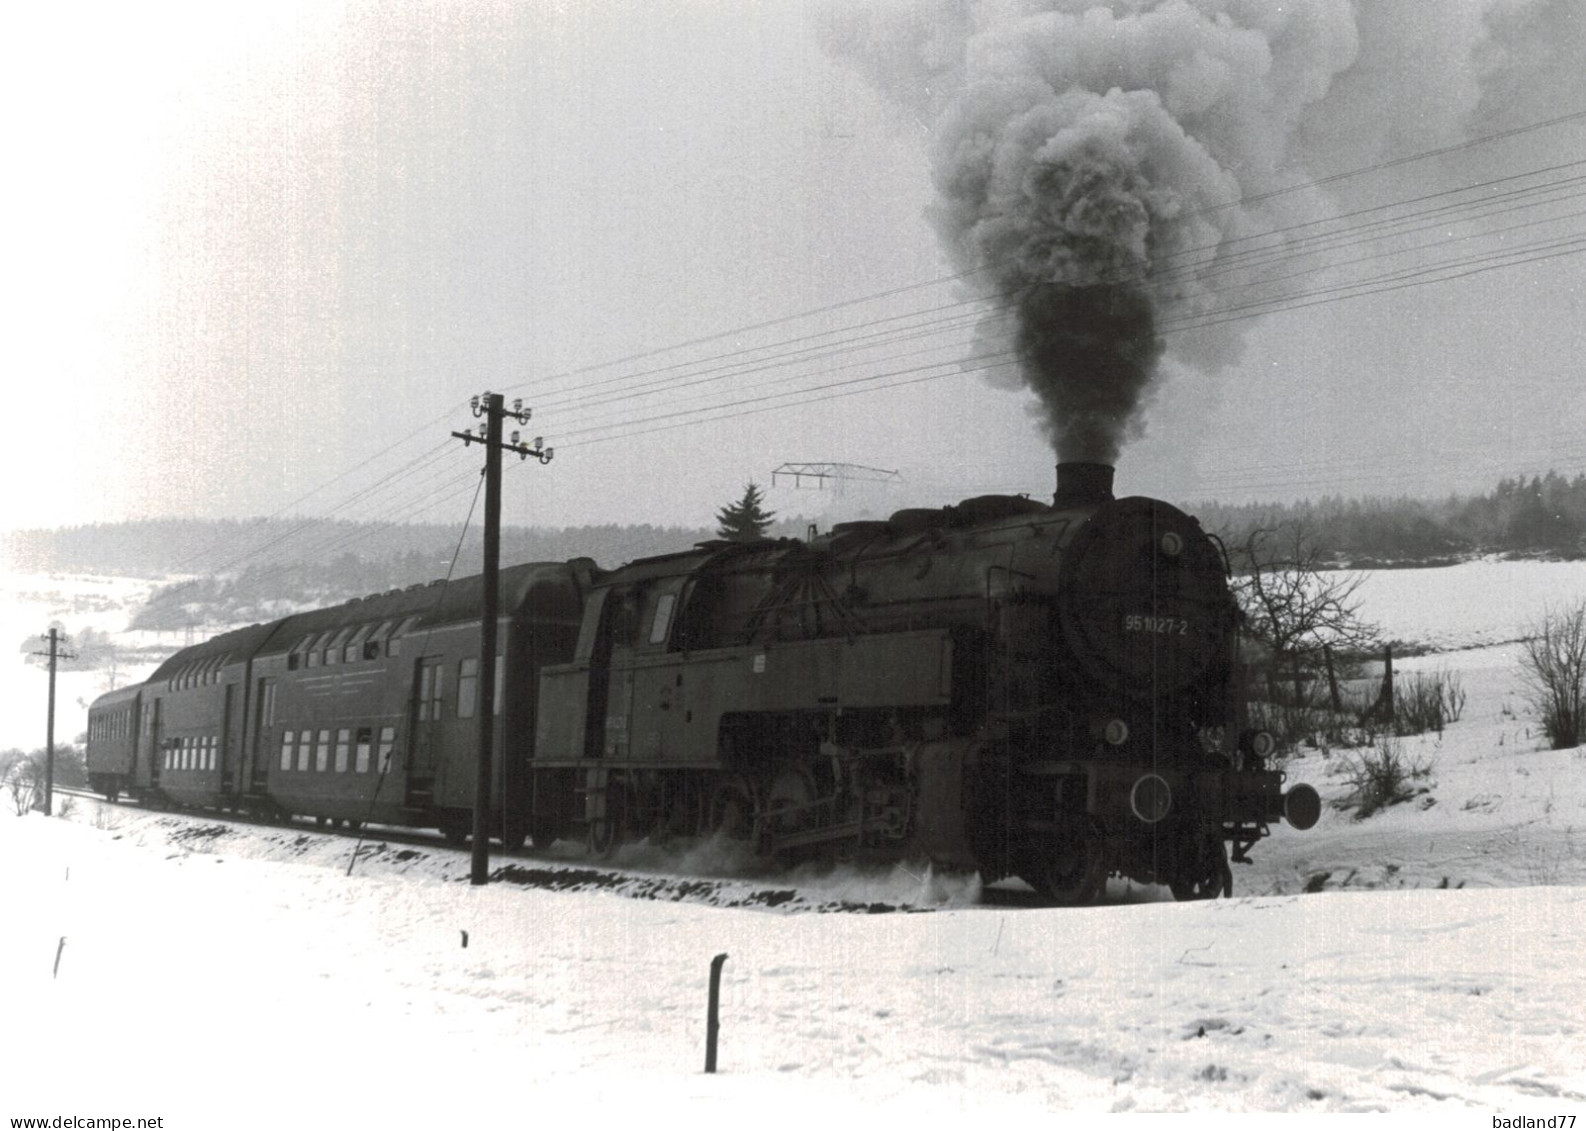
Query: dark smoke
x: 1091, y: 156
x: 1089, y: 353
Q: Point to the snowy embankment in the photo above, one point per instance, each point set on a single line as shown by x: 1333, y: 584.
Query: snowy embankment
x: 236, y: 992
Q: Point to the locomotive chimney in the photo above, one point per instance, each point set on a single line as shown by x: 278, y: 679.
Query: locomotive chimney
x: 1083, y: 485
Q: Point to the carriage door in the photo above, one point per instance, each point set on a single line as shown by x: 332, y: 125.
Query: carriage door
x: 153, y: 751
x: 263, y: 736
x: 429, y: 686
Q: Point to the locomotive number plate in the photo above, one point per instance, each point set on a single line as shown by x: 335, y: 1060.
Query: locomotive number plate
x: 1161, y: 626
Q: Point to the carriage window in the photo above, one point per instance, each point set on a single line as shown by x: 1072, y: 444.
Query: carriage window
x: 432, y: 685
x: 354, y: 648
x: 296, y: 658
x: 305, y: 747
x: 372, y: 646
x: 365, y: 739
x: 267, y: 703
x: 467, y: 688
x: 387, y: 742
x: 287, y: 738
x: 334, y: 647
x: 394, y: 645
x: 663, y: 617
x: 322, y: 752
x: 343, y: 749
x: 316, y: 650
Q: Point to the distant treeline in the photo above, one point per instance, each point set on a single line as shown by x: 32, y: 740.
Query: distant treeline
x: 378, y: 553
x: 1543, y: 515
x: 243, y: 578
x: 262, y: 569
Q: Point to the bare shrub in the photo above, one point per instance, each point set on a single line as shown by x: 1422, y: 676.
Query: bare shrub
x: 1554, y: 668
x: 22, y: 778
x: 1427, y: 701
x: 1382, y: 778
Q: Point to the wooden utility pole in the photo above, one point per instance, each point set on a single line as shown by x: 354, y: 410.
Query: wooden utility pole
x: 55, y: 654
x: 491, y: 406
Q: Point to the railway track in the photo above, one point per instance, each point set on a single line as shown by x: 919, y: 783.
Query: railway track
x: 646, y: 873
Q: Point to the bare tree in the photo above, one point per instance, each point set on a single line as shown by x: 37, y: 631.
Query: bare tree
x: 1292, y: 602
x: 1555, y: 670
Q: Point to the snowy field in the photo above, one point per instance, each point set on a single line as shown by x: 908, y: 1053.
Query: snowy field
x: 1427, y: 960
x: 1488, y: 601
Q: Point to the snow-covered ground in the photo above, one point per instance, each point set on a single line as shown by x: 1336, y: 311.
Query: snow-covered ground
x: 237, y: 977
x: 1475, y: 603
x: 211, y: 979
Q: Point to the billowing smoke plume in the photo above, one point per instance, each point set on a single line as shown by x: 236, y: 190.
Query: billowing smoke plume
x: 1094, y: 161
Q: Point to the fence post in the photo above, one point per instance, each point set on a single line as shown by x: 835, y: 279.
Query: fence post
x: 712, y: 1023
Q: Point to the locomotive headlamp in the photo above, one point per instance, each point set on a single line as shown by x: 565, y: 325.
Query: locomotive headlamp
x: 1262, y: 744
x: 1172, y: 544
x: 1116, y: 732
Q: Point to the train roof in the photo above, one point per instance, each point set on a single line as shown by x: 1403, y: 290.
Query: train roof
x: 112, y: 699
x: 229, y: 647
x: 546, y: 590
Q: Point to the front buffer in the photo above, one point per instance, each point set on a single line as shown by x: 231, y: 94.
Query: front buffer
x: 1064, y: 827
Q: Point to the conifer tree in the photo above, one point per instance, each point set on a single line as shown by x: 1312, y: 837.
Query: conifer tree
x: 747, y: 519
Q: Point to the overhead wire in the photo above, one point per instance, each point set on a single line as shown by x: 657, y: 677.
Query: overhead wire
x: 858, y: 339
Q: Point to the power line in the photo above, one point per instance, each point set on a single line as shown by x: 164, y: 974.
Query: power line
x: 829, y: 344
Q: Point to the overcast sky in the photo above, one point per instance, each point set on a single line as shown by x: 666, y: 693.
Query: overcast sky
x: 261, y: 256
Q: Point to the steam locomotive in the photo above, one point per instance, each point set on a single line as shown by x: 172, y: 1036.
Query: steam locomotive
x: 1043, y: 691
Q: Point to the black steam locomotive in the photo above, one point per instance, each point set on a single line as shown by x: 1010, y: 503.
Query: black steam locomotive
x: 1050, y: 692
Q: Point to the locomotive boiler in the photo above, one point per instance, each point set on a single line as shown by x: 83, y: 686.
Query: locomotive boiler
x: 1049, y: 691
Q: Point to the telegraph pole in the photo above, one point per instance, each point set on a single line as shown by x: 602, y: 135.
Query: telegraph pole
x: 491, y: 406
x: 55, y: 654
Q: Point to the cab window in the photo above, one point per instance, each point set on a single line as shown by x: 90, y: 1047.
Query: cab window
x: 663, y: 617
